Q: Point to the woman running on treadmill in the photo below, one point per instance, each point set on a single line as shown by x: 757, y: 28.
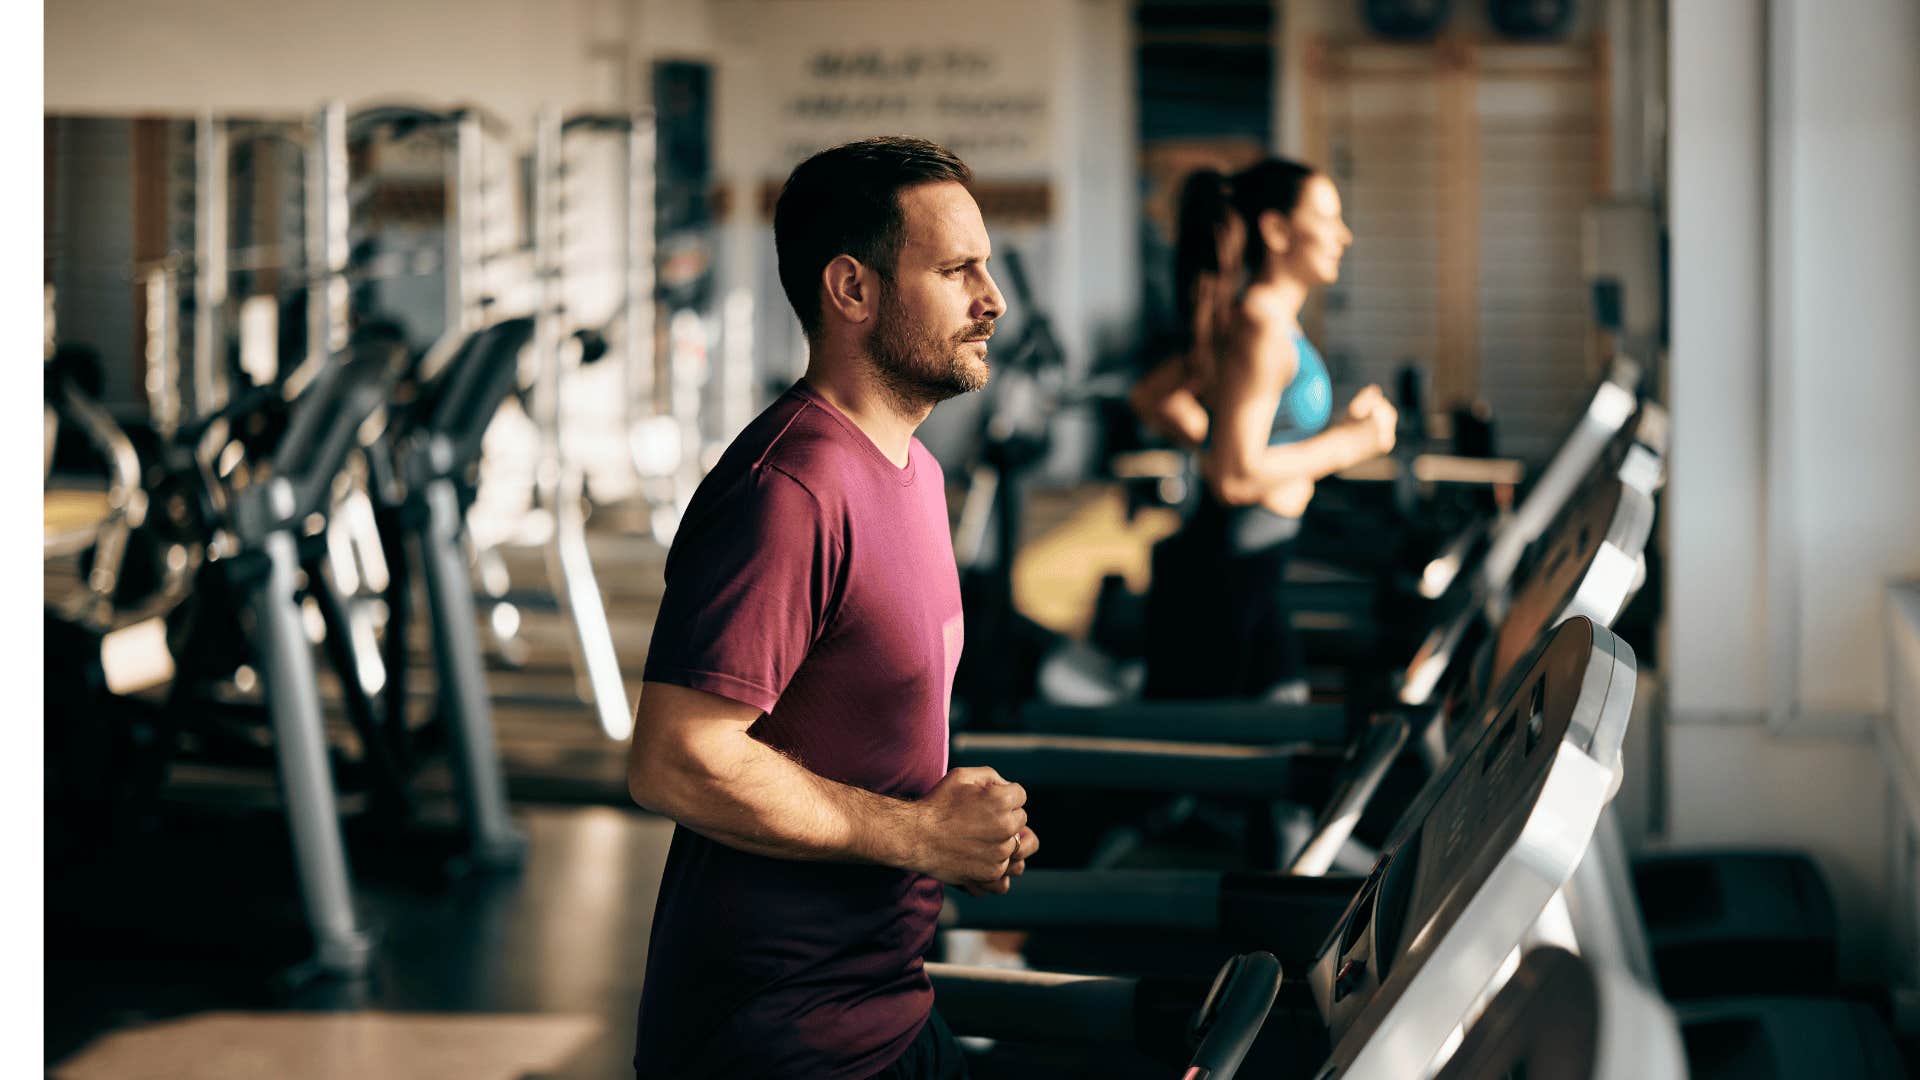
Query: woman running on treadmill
x: 1222, y: 623
x: 1208, y: 245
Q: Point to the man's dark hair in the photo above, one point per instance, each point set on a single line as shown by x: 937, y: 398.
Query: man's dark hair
x: 845, y: 200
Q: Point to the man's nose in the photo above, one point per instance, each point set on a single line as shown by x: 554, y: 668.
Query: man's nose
x: 989, y: 305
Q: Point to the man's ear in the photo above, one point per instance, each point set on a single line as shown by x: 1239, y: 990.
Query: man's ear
x: 850, y: 288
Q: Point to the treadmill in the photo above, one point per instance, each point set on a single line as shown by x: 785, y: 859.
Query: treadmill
x: 1590, y: 570
x: 1563, y: 1017
x: 1428, y: 933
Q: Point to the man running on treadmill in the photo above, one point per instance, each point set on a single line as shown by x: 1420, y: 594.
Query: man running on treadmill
x: 794, y: 718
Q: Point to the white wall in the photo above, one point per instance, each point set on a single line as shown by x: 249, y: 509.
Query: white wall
x: 1795, y: 493
x: 1715, y: 508
x: 1074, y: 54
x: 1106, y: 168
x: 514, y: 56
x: 179, y: 56
x: 1847, y: 117
x: 1796, y: 472
x: 1740, y: 785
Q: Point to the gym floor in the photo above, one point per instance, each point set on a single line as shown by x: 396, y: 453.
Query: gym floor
x: 168, y: 954
x: 172, y: 942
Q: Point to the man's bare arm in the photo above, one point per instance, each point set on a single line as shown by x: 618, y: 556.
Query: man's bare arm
x: 692, y: 760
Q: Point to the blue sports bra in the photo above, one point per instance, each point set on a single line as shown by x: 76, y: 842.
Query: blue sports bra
x: 1307, y: 403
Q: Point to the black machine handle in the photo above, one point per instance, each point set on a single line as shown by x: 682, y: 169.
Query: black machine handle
x: 1265, y: 772
x: 1210, y: 721
x: 593, y: 344
x: 1285, y: 915
x: 1036, y: 349
x: 249, y: 400
x: 597, y: 121
x: 1177, y: 900
x: 403, y: 120
x: 1017, y: 278
x: 326, y: 420
x: 1230, y: 1019
x: 482, y: 373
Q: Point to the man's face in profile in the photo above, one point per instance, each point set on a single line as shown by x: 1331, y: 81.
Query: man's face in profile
x: 937, y: 310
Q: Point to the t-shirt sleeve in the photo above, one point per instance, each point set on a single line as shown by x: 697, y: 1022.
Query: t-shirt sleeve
x: 750, y: 588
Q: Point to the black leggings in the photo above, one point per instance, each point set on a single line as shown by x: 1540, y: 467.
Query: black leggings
x: 1218, y: 622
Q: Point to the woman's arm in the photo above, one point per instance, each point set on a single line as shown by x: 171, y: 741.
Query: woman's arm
x: 1242, y: 469
x: 1168, y: 399
x: 1165, y: 402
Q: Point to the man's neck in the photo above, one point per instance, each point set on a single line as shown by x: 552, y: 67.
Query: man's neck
x: 850, y: 385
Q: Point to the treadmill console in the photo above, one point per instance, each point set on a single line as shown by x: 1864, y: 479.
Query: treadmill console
x: 1456, y: 892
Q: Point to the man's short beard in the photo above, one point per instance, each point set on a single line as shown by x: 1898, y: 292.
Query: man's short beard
x: 918, y: 366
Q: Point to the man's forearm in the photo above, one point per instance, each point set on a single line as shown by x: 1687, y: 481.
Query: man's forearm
x: 734, y: 789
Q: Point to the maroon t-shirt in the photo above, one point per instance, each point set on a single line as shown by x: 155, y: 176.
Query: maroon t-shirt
x: 814, y: 580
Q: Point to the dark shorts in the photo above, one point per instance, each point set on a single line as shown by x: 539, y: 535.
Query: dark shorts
x: 934, y: 1054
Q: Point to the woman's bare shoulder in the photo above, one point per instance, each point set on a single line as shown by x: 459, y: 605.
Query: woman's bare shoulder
x: 1265, y: 324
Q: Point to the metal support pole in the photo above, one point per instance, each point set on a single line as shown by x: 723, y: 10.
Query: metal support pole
x: 209, y: 265
x: 549, y: 197
x: 562, y: 484
x: 163, y: 351
x: 638, y: 281
x: 327, y: 242
x: 293, y: 702
x: 571, y: 567
x: 466, y: 230
x: 496, y: 844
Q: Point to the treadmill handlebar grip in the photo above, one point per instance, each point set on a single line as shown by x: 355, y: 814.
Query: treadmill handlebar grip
x: 1231, y: 1019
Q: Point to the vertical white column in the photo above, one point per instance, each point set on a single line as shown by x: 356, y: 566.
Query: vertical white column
x: 209, y: 264
x: 327, y: 243
x: 1716, y: 502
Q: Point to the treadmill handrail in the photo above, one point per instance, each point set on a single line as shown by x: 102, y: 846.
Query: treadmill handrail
x: 1231, y: 721
x: 1611, y: 406
x: 1360, y: 779
x: 1147, y: 765
x: 478, y: 379
x: 1164, y: 899
x: 326, y: 421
